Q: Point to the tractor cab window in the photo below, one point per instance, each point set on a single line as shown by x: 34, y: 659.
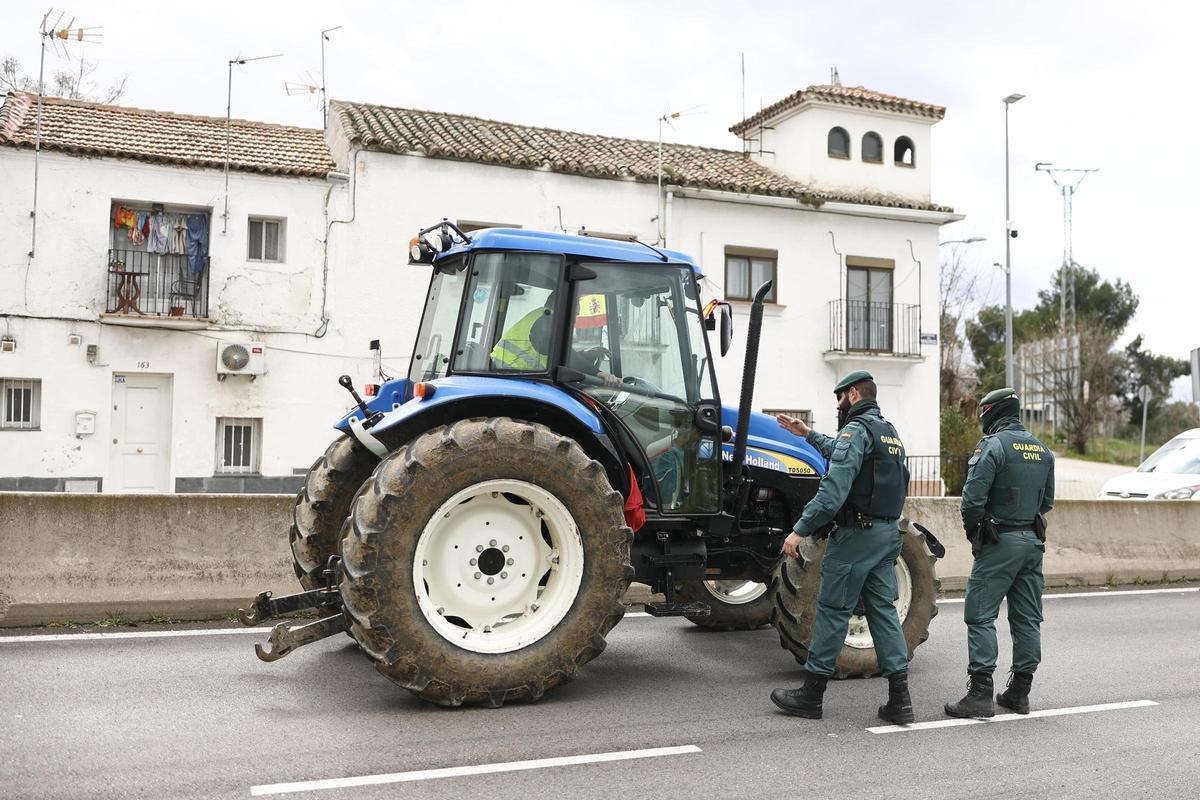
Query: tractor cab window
x: 510, y: 316
x: 637, y: 336
x: 431, y: 356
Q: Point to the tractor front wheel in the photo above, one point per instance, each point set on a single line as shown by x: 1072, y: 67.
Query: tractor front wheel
x: 793, y: 592
x: 485, y: 562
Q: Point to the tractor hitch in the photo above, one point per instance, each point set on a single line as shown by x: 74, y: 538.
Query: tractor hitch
x: 265, y: 607
x: 285, y: 638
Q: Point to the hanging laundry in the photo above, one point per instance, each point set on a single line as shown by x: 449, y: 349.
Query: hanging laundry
x: 197, y: 242
x: 159, y: 235
x: 137, y: 234
x: 124, y: 217
x: 178, y: 243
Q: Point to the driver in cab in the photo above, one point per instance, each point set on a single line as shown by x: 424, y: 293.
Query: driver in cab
x: 525, y: 346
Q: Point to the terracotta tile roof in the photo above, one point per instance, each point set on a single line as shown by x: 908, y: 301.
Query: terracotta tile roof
x: 75, y: 126
x: 462, y: 138
x: 857, y: 96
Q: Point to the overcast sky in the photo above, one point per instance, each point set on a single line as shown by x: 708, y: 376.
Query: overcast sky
x: 1107, y: 85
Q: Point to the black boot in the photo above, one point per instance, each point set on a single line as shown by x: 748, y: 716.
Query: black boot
x: 978, y: 702
x: 1016, y: 696
x: 899, y: 708
x: 805, y: 701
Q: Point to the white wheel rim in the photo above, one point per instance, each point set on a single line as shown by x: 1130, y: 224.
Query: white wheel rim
x: 858, y: 635
x: 480, y: 562
x: 736, y: 593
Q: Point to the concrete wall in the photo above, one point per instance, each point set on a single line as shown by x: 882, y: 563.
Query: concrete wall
x: 79, y: 557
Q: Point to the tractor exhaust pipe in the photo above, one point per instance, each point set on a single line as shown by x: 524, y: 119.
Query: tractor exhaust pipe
x: 753, y: 334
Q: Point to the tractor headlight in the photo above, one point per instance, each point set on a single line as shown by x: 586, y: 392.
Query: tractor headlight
x: 1184, y: 493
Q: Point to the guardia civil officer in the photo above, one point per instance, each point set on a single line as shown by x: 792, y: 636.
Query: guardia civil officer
x: 1009, y: 489
x: 863, y: 491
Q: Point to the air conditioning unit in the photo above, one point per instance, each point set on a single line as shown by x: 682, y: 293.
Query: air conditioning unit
x: 241, y: 358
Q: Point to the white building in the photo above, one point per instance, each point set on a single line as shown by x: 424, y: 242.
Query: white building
x: 830, y: 199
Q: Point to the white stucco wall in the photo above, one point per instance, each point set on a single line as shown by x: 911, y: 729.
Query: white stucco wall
x: 273, y: 303
x: 374, y: 294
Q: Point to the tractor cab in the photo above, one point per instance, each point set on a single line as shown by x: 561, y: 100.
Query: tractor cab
x: 618, y: 325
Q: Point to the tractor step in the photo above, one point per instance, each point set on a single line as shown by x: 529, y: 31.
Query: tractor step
x: 677, y: 609
x: 265, y: 607
x: 285, y: 638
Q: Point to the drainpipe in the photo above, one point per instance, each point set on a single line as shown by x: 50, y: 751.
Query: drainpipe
x: 667, y: 218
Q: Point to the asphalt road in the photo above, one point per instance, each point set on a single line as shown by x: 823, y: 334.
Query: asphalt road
x: 200, y: 716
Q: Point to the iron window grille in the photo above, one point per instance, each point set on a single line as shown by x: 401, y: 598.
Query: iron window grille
x: 20, y: 404
x: 239, y: 445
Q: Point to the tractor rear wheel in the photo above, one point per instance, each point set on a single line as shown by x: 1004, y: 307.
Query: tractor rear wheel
x: 323, y: 504
x: 485, y: 561
x: 736, y: 605
x: 793, y: 592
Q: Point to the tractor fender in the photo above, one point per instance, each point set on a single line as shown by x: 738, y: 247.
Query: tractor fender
x: 465, y: 397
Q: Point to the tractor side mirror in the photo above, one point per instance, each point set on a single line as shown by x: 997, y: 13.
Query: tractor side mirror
x: 726, y: 325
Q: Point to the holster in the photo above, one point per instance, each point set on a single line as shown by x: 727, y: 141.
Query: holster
x: 1039, y: 526
x: 849, y: 518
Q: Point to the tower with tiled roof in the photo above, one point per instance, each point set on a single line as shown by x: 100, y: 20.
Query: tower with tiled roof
x: 846, y: 140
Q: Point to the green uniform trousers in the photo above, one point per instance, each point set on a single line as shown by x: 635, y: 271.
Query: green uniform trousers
x: 1013, y: 569
x: 859, y: 562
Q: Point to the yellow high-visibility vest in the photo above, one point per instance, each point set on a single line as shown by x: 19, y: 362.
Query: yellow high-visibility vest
x: 515, y: 350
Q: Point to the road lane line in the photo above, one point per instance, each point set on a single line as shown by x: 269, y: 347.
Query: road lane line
x: 87, y: 637
x: 1049, y: 712
x: 477, y: 769
x: 1126, y: 593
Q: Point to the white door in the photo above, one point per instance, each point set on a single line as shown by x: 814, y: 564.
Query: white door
x: 140, y: 459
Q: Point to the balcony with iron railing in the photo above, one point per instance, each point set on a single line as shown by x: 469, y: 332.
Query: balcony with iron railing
x: 858, y: 328
x: 153, y: 287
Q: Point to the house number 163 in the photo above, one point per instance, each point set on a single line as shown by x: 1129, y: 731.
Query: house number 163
x: 143, y: 365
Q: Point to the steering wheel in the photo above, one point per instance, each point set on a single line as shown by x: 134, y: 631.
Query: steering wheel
x: 641, y: 385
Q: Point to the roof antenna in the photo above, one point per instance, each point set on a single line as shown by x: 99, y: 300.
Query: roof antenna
x: 52, y: 33
x: 834, y: 78
x: 228, y: 109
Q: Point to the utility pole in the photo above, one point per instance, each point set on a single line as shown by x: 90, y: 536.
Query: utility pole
x: 1067, y: 180
x: 1009, y: 232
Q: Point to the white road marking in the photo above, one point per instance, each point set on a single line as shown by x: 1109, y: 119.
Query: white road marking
x: 1180, y: 590
x: 1049, y: 712
x: 477, y: 769
x: 85, y: 637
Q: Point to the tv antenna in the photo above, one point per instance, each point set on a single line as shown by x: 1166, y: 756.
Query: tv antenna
x: 324, y: 96
x: 58, y: 35
x: 1067, y: 179
x: 666, y: 118
x: 228, y: 110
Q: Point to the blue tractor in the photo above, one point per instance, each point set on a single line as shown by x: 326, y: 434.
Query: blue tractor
x: 560, y: 434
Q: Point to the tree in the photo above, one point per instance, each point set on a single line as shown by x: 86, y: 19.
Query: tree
x: 71, y: 84
x: 1080, y: 387
x: 1144, y: 368
x: 958, y: 290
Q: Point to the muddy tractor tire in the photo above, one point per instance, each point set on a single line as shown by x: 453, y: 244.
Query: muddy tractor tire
x: 793, y: 592
x: 323, y: 504
x: 735, y: 605
x: 485, y: 562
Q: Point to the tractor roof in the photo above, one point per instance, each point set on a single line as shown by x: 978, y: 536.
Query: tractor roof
x: 587, y: 247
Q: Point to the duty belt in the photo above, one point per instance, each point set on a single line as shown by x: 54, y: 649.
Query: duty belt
x: 1026, y: 528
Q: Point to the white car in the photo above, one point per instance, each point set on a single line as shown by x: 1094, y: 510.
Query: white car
x: 1171, y: 473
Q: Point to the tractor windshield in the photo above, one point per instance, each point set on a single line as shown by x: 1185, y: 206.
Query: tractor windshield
x: 431, y: 356
x: 636, y: 334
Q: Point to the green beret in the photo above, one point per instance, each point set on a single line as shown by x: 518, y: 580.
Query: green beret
x: 996, y: 395
x: 851, y: 379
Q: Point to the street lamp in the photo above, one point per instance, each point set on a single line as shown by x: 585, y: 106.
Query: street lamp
x: 1010, y: 233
